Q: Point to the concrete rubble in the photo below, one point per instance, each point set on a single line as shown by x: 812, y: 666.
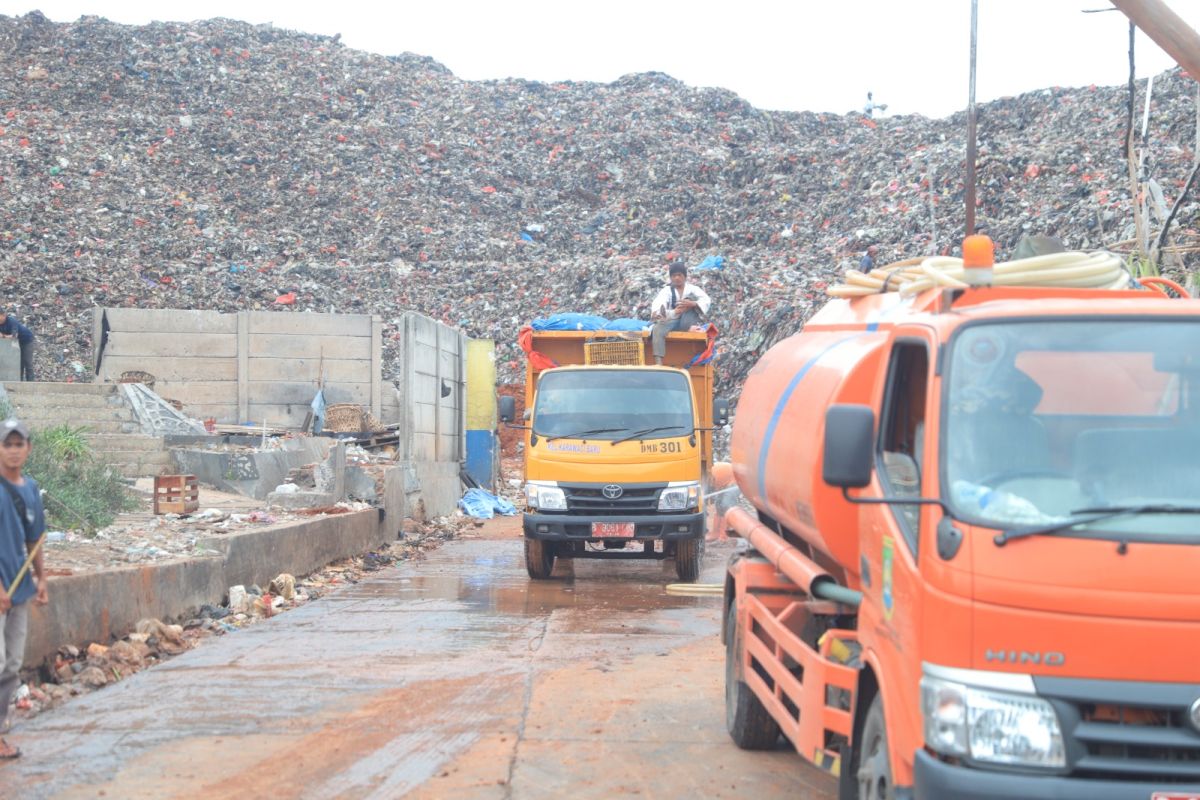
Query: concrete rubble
x: 229, y: 166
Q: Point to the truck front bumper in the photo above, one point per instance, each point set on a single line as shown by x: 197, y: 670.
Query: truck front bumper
x: 936, y: 780
x: 578, y: 528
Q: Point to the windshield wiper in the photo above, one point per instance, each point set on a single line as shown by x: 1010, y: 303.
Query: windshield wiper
x: 1092, y: 515
x: 636, y: 434
x: 591, y: 432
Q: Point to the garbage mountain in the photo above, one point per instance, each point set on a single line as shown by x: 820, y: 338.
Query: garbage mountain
x: 228, y: 166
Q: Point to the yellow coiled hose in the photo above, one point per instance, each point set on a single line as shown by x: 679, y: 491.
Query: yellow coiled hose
x: 1097, y: 270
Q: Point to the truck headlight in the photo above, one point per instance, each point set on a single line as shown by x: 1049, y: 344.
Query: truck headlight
x: 546, y: 498
x: 989, y: 726
x: 678, y: 498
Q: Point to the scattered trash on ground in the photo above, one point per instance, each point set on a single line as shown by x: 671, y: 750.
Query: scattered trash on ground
x: 74, y: 671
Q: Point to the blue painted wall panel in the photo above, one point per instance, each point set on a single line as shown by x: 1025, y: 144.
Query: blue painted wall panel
x: 481, y: 450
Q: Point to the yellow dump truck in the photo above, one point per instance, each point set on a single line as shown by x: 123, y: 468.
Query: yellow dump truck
x: 617, y: 451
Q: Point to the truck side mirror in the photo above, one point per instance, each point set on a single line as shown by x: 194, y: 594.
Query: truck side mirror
x: 720, y: 411
x: 508, y: 408
x: 849, y: 446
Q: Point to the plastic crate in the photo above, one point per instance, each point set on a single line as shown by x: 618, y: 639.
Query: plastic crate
x: 176, y: 494
x: 619, y: 352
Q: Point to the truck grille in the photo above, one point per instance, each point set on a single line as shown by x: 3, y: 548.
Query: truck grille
x: 1122, y: 732
x: 590, y: 499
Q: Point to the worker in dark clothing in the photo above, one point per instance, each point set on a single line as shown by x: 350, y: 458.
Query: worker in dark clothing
x: 868, y: 260
x: 11, y: 328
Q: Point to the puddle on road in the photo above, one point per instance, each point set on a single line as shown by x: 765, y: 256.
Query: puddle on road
x: 492, y: 584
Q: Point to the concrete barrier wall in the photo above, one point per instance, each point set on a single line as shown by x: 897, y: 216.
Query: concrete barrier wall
x: 250, y: 366
x: 432, y: 388
x: 102, y: 606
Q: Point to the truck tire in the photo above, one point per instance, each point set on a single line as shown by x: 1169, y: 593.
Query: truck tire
x: 872, y: 769
x: 539, y: 559
x: 688, y: 554
x: 749, y: 724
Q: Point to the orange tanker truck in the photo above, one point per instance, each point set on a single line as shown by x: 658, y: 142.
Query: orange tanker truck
x: 972, y: 561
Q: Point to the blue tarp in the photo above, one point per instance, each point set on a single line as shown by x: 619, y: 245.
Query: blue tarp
x: 482, y: 504
x: 586, y: 322
x: 318, y: 410
x: 626, y: 324
x: 569, y: 322
x: 711, y: 262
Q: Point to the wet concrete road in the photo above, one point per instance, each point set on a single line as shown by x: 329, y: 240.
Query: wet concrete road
x: 452, y: 677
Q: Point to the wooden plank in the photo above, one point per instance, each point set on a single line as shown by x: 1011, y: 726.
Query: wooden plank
x: 169, y: 320
x: 172, y: 369
x: 176, y: 345
x: 198, y: 392
x: 297, y: 369
x: 292, y: 323
x: 301, y: 392
x: 277, y: 345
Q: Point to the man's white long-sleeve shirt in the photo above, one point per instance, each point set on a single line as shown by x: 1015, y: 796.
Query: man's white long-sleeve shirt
x: 665, y: 300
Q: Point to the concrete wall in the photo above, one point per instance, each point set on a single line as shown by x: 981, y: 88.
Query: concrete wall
x: 432, y: 389
x: 252, y: 473
x: 252, y: 366
x: 101, y: 606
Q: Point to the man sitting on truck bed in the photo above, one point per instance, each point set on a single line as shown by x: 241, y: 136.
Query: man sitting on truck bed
x: 678, y: 306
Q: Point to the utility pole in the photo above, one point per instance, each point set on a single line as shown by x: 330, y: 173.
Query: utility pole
x: 971, y: 125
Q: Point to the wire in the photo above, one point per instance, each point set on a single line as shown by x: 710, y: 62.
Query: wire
x: 1097, y: 270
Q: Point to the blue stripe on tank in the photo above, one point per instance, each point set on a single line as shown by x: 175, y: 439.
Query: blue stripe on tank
x: 769, y: 434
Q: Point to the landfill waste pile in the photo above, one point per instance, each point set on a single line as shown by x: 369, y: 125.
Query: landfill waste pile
x: 228, y: 166
x: 73, y: 670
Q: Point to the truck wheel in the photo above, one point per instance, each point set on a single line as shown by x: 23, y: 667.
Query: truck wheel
x: 746, y: 718
x: 688, y: 553
x: 539, y: 559
x: 874, y: 772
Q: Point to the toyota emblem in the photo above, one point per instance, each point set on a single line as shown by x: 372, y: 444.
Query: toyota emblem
x: 1194, y: 713
x: 612, y: 491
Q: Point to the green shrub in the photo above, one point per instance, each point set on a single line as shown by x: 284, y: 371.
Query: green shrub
x: 80, y: 492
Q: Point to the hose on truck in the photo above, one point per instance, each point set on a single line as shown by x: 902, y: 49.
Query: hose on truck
x: 1096, y: 270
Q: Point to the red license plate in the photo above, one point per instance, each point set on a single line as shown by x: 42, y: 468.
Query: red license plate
x: 612, y: 530
x: 1175, y: 796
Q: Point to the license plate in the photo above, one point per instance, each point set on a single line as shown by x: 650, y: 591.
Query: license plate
x: 612, y: 530
x: 1175, y: 796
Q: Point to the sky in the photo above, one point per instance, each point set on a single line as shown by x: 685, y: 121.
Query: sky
x: 806, y: 55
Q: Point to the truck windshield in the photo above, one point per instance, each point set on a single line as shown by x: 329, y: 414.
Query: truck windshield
x: 612, y: 404
x: 1043, y: 420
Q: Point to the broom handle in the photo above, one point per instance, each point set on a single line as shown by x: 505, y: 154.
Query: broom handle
x: 24, y: 567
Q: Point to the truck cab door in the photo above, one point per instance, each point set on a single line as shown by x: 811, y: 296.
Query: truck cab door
x: 891, y: 580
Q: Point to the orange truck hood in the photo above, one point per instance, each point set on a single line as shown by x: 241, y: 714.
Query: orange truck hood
x: 1096, y: 612
x: 594, y: 461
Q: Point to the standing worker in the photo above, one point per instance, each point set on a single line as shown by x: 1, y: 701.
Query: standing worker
x: 868, y: 260
x: 22, y: 522
x: 11, y: 328
x: 677, y: 307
